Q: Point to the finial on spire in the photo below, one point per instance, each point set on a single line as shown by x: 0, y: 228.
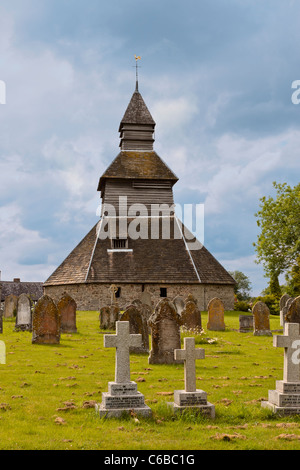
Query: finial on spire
x: 137, y: 57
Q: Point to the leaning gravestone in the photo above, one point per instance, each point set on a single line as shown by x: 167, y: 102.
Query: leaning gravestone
x: 215, y: 315
x: 137, y: 325
x: 261, y: 319
x: 190, y: 397
x: 122, y: 396
x: 293, y: 313
x: 282, y: 303
x: 285, y: 400
x: 246, y: 323
x: 24, y: 315
x: 45, y: 322
x: 10, y: 306
x: 108, y: 317
x: 67, y: 310
x: 191, y: 315
x: 165, y: 333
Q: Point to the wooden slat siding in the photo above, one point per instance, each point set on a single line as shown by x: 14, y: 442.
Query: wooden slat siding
x: 155, y: 194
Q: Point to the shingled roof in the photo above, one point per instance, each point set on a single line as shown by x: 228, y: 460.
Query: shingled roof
x: 137, y: 165
x: 137, y: 112
x: 34, y: 289
x: 150, y: 261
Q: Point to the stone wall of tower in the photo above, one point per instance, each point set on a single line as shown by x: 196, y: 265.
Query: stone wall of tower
x: 93, y: 296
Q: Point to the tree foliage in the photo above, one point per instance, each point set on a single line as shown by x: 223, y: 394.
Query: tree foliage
x: 278, y: 244
x: 243, y: 285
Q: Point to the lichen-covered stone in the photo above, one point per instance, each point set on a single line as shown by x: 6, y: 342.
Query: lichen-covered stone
x: 216, y: 315
x: 261, y: 319
x: 24, y: 314
x: 137, y: 325
x: 191, y: 315
x: 45, y: 322
x: 165, y: 325
x: 67, y: 310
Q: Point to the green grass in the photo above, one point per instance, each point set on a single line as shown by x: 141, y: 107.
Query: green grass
x: 44, y: 391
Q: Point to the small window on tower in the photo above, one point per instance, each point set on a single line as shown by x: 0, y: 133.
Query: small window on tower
x: 163, y: 292
x: 119, y: 243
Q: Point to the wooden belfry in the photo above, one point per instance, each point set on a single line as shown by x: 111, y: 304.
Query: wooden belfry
x: 137, y: 192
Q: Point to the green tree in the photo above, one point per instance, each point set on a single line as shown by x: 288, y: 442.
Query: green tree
x: 293, y: 279
x: 278, y: 244
x: 242, y: 288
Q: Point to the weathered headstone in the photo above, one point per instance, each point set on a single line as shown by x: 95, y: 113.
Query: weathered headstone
x: 215, y: 315
x: 282, y: 303
x: 285, y: 399
x: 261, y: 319
x: 191, y: 315
x: 67, y: 307
x: 108, y: 317
x: 191, y: 397
x: 1, y: 321
x: 165, y: 333
x: 179, y: 304
x: 293, y: 313
x: 45, y: 322
x: 10, y: 306
x: 137, y: 325
x: 145, y: 298
x: 122, y: 396
x: 246, y: 323
x: 24, y: 315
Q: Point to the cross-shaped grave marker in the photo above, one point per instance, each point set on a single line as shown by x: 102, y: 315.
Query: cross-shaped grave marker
x: 189, y: 355
x: 290, y: 341
x: 122, y: 341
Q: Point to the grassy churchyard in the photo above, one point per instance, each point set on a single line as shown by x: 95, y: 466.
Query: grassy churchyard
x: 47, y: 393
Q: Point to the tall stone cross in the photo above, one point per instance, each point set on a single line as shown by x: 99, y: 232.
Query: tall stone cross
x: 189, y: 355
x: 290, y: 341
x: 122, y: 341
x: 113, y: 290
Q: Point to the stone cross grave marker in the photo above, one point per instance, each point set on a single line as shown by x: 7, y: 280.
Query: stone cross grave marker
x: 122, y: 396
x: 189, y: 355
x: 286, y: 398
x: 122, y: 341
x: 190, y: 396
x: 113, y: 289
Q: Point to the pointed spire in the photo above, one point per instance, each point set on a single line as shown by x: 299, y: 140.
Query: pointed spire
x: 136, y: 72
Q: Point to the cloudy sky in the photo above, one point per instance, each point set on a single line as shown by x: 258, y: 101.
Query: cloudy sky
x: 216, y: 76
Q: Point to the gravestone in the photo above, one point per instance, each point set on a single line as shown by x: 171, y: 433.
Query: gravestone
x: 261, y: 319
x: 285, y: 400
x: 45, y: 322
x: 285, y: 309
x: 2, y: 352
x: 10, y: 306
x: 215, y: 315
x: 282, y: 303
x: 24, y: 315
x: 165, y: 333
x: 122, y: 396
x: 191, y: 397
x: 67, y: 310
x: 191, y: 315
x: 293, y: 313
x: 137, y: 325
x: 145, y: 298
x: 246, y: 323
x: 179, y: 304
x: 108, y: 317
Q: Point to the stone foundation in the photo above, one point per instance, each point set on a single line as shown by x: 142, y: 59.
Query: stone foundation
x: 94, y: 296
